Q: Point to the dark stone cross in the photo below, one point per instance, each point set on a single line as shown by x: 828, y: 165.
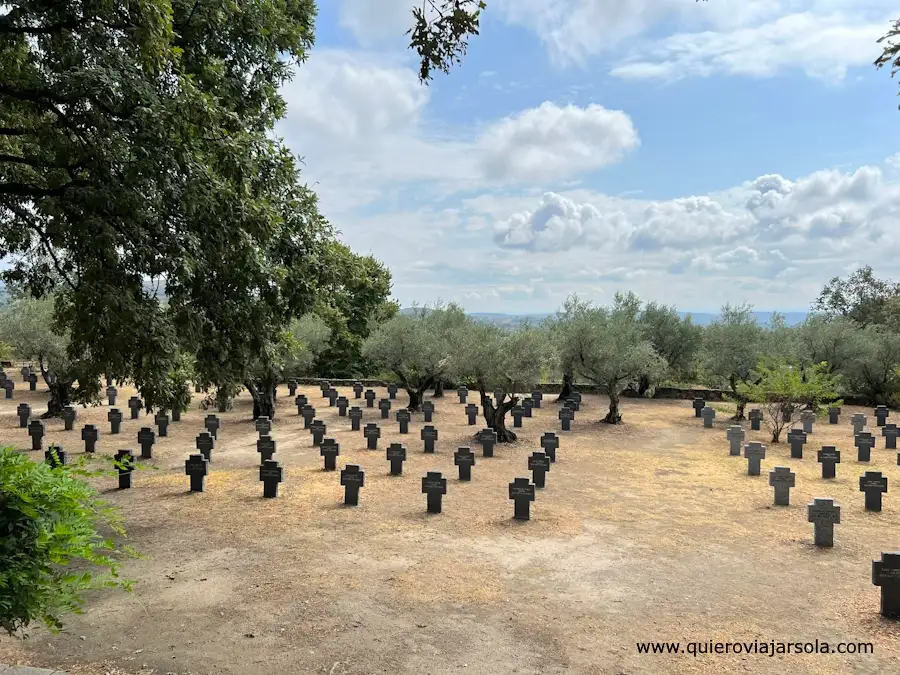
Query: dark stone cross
x: 886, y: 575
x: 330, y: 449
x: 25, y: 371
x: 755, y: 416
x: 205, y: 443
x: 735, y: 436
x: 292, y: 387
x: 23, y: 410
x: 317, y: 428
x: 487, y: 437
x: 372, y: 433
x: 517, y: 413
x: 834, y: 413
x: 357, y: 389
x: 864, y: 442
x: 370, y: 398
x: 265, y: 446
x: 300, y: 401
x: 263, y: 425
x: 146, y: 437
x: 698, y: 404
x: 435, y: 486
x: 527, y: 405
x: 392, y: 391
x: 55, y: 456
x: 125, y: 463
x: 352, y: 478
x: 396, y: 455
x: 537, y: 396
x: 197, y: 467
x: 890, y: 433
x: 36, y: 431
x: 471, y: 413
x: 403, y: 418
x: 332, y: 397
x: 881, y: 415
x: 566, y: 414
x: 824, y: 514
x: 439, y: 389
x: 782, y: 479
x: 873, y: 485
x: 708, y: 414
x: 550, y: 443
x: 807, y: 417
x: 90, y: 434
x: 355, y: 414
x: 754, y: 452
x: 797, y: 439
x: 429, y: 434
x: 576, y: 395
x: 463, y: 393
x: 197, y: 388
x: 325, y: 386
x: 309, y: 414
x: 176, y: 414
x: 68, y: 415
x: 573, y: 403
x: 271, y: 475
x: 135, y: 405
x: 521, y: 491
x: 9, y: 386
x: 162, y: 423
x: 539, y: 465
x: 211, y: 423
x: 32, y: 382
x: 384, y: 405
x: 829, y: 456
x: 859, y: 422
x: 428, y: 410
x: 114, y: 417
x: 464, y: 458
x: 342, y: 403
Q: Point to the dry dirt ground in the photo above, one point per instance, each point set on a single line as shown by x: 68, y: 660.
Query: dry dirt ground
x: 645, y: 531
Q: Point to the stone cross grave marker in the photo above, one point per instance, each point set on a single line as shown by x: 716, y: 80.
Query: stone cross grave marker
x: 9, y: 386
x: 265, y: 446
x: 355, y: 414
x: 755, y: 416
x: 834, y: 414
x: 25, y: 371
x: 325, y: 387
x: 527, y: 406
x: 332, y: 397
x: 539, y: 465
x: 754, y: 452
x: 370, y: 398
x: 135, y: 405
x: 463, y: 393
x: 698, y: 405
x: 797, y: 439
x: 263, y: 425
x: 292, y: 387
x: 859, y: 422
x: 211, y: 423
x: 197, y: 388
x: 517, y: 413
x: 205, y: 443
x: 68, y: 415
x: 372, y: 433
x: 471, y: 413
x: 342, y: 403
x: 392, y: 391
x: 114, y: 417
x: 782, y: 479
x: 873, y: 485
x: 162, y: 423
x: 32, y: 382
x: 429, y: 434
x: 487, y: 437
x: 125, y: 463
x: 565, y: 417
x: 384, y: 405
x: 577, y: 396
x: 537, y: 397
x: 55, y: 456
x: 90, y: 434
x: 829, y: 456
x: 330, y: 449
x: 309, y: 414
x: 176, y: 414
x: 864, y: 442
x: 521, y: 492
x: 439, y: 389
x: 735, y: 436
x: 881, y: 415
x: 197, y: 468
x: 352, y: 478
x: 146, y: 437
x: 886, y: 575
x: 317, y: 429
x: 403, y: 418
x: 23, y: 410
x: 36, y: 432
x: 824, y: 514
x: 550, y: 443
x: 708, y: 414
x: 396, y: 455
x: 357, y: 389
x: 890, y: 432
x: 807, y: 418
x: 428, y: 410
x: 434, y: 485
x: 271, y: 474
x: 300, y: 401
x: 464, y: 458
x: 573, y: 403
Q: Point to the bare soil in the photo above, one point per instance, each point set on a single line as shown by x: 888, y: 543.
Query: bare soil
x: 648, y: 531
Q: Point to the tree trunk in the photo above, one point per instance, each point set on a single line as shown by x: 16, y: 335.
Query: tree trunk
x: 495, y: 418
x: 740, y: 400
x: 438, y: 388
x: 613, y: 416
x: 415, y: 399
x: 60, y: 397
x: 416, y: 394
x: 568, y: 386
x: 643, y: 385
x: 263, y: 393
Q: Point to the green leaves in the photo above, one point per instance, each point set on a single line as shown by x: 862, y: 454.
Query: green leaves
x: 440, y: 33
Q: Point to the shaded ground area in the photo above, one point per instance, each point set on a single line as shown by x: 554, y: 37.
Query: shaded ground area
x: 647, y: 531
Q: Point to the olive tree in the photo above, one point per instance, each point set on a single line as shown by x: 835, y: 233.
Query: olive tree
x: 608, y: 347
x: 873, y: 371
x: 677, y: 340
x: 833, y: 340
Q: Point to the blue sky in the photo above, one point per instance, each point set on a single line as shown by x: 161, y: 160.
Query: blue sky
x: 696, y: 153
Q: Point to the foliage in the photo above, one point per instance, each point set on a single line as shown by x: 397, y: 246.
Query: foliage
x: 440, y: 34
x: 872, y: 371
x: 732, y: 346
x: 833, y: 340
x: 677, y: 340
x: 306, y: 337
x: 890, y: 54
x: 783, y: 390
x: 50, y: 521
x: 860, y: 297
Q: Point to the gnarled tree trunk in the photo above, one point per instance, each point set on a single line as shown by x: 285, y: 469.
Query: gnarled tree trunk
x: 741, y: 402
x: 60, y: 394
x: 416, y: 393
x: 643, y: 385
x: 263, y: 393
x: 568, y: 386
x: 495, y: 417
x: 613, y: 416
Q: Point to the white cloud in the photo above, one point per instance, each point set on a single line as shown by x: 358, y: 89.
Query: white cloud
x: 373, y: 21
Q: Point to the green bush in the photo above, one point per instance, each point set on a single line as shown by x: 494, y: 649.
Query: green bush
x: 51, y: 549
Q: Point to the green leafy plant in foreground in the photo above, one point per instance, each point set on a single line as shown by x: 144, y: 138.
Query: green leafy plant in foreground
x: 51, y: 547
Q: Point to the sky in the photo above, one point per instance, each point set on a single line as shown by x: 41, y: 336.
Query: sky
x: 696, y: 153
